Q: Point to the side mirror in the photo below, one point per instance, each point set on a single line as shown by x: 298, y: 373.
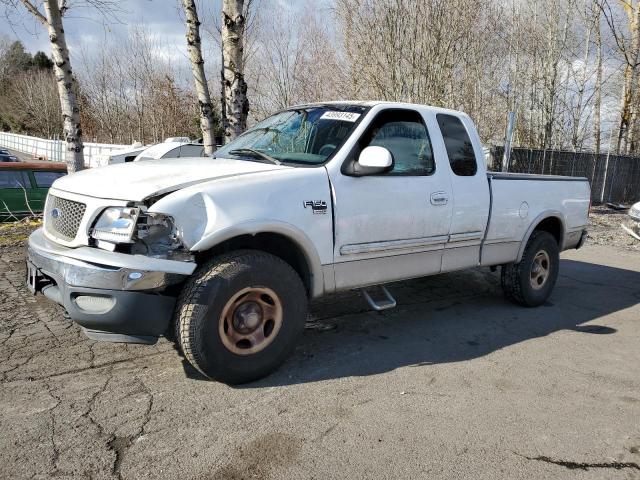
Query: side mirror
x: 375, y: 160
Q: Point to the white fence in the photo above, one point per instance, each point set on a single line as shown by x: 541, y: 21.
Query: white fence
x: 53, y: 150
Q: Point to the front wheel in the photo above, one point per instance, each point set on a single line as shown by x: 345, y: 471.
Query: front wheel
x: 240, y: 315
x: 531, y: 281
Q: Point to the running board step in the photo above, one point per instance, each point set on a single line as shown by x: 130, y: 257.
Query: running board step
x: 386, y: 304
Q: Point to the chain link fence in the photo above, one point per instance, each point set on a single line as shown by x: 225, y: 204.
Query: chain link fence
x: 613, y: 178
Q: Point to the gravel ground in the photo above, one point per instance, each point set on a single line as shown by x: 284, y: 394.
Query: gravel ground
x: 605, y: 229
x: 454, y: 383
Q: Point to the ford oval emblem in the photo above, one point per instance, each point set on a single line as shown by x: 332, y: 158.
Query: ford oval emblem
x: 56, y: 213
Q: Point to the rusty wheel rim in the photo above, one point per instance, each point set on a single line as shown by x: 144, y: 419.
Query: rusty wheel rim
x: 540, y: 270
x: 250, y: 320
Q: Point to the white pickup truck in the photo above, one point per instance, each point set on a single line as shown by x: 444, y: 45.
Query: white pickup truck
x: 224, y: 252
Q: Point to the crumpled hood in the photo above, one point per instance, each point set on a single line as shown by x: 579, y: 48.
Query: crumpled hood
x: 137, y: 181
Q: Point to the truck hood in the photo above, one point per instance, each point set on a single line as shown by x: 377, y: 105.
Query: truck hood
x: 137, y: 181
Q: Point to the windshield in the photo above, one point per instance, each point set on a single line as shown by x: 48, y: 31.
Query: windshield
x: 305, y: 136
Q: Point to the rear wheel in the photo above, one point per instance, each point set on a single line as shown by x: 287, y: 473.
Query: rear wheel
x: 531, y: 281
x: 240, y: 315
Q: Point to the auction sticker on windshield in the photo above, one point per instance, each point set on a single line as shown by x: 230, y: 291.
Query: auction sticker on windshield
x: 344, y: 116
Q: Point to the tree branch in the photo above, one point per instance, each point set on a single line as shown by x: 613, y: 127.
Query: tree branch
x: 36, y: 13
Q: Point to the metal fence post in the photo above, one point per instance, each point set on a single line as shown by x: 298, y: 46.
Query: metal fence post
x: 606, y: 168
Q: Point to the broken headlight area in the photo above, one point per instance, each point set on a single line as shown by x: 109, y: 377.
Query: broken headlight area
x: 135, y: 231
x: 156, y: 236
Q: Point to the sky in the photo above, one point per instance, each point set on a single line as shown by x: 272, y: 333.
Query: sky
x: 86, y: 28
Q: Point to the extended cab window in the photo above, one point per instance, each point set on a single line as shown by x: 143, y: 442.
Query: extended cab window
x: 405, y: 135
x: 188, y: 151
x: 13, y: 180
x: 46, y: 179
x: 458, y: 144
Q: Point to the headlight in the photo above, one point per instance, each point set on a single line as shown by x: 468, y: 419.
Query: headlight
x: 116, y: 225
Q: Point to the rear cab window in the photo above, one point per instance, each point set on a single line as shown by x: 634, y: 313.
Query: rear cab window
x: 459, y: 148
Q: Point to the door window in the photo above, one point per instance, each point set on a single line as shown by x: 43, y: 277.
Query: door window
x: 13, y: 180
x: 405, y: 135
x: 458, y: 144
x: 46, y: 179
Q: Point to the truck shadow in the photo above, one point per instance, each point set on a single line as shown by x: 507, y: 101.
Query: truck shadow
x: 445, y: 319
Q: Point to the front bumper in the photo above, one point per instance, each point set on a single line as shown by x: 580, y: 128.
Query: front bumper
x: 113, y: 296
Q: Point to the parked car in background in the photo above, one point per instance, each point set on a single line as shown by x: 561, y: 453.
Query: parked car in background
x: 7, y: 157
x: 634, y: 212
x: 24, y: 187
x: 171, y: 149
x: 129, y: 154
x: 121, y: 155
x: 4, y: 151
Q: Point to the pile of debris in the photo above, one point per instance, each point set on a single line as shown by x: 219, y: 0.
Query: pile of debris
x: 615, y: 225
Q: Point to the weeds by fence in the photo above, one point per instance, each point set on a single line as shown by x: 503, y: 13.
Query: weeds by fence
x: 613, y: 178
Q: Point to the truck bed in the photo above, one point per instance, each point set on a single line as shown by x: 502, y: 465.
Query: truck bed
x: 518, y: 200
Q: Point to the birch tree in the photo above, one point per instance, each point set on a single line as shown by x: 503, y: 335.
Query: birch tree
x: 627, y: 40
x: 234, y: 87
x: 598, y: 86
x: 51, y: 20
x: 197, y: 68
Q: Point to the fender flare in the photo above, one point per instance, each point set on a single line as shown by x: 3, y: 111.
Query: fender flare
x: 288, y: 230
x: 536, y: 221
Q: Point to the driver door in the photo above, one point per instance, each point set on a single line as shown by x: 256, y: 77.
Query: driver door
x: 392, y: 225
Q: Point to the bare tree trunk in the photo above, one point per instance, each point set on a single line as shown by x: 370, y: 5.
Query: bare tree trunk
x: 223, y: 102
x: 197, y: 67
x: 632, y: 134
x: 582, y: 86
x: 234, y: 86
x: 598, y: 92
x: 52, y: 21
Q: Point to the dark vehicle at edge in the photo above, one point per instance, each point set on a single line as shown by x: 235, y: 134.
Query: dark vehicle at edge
x: 24, y: 187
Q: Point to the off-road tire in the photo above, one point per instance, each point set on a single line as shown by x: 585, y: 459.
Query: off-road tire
x: 204, y: 297
x: 515, y: 277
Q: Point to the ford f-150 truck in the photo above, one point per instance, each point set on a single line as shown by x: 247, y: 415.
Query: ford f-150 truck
x: 224, y: 252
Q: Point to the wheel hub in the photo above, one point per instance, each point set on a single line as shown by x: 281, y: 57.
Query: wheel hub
x: 247, y: 317
x: 250, y: 320
x: 540, y: 269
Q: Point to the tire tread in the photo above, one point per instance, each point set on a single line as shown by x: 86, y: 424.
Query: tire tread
x: 512, y: 273
x: 187, y: 319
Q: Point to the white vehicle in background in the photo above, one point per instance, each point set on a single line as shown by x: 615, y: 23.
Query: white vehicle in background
x: 634, y: 214
x: 121, y: 155
x: 171, y: 148
x: 225, y: 251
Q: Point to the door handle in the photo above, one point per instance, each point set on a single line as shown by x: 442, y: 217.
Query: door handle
x: 439, y: 198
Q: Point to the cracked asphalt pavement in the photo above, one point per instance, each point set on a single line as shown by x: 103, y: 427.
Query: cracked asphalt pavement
x: 454, y: 383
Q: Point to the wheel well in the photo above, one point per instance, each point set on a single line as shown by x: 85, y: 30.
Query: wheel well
x: 552, y: 225
x: 275, y: 244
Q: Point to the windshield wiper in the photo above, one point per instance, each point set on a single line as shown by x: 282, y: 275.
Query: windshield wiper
x: 255, y: 153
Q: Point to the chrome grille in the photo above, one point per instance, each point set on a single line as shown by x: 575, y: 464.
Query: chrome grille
x: 62, y: 217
